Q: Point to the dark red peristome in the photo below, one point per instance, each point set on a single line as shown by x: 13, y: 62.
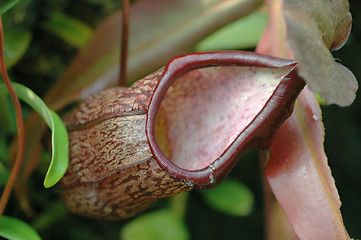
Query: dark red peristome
x: 258, y: 134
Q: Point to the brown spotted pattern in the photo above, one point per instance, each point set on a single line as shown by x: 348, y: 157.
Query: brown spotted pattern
x: 112, y: 173
x: 123, y: 194
x: 114, y: 102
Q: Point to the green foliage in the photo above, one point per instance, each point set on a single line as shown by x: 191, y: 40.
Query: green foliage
x: 14, y: 229
x: 241, y: 34
x: 54, y: 212
x: 4, y: 172
x: 230, y: 197
x: 159, y: 225
x: 60, y: 156
x: 71, y: 30
x: 172, y: 31
x: 320, y: 101
x: 7, y: 118
x: 6, y: 5
x: 16, y: 42
x: 60, y: 141
x: 17, y: 37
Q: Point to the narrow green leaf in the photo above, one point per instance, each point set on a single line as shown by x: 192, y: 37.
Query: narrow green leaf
x: 4, y: 173
x: 7, y: 117
x: 6, y: 5
x: 60, y: 141
x: 16, y: 42
x: 15, y: 229
x: 230, y: 197
x: 243, y: 33
x: 50, y: 216
x: 71, y: 30
x: 60, y: 155
x: 159, y: 225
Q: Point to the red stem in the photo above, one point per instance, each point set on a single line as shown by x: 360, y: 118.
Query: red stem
x: 20, y: 126
x: 124, y: 44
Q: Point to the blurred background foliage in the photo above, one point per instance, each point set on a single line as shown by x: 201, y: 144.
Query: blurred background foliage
x: 39, y: 47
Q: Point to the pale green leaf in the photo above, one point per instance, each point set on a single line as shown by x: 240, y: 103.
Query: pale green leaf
x: 6, y: 5
x: 242, y: 34
x: 71, y: 30
x: 15, y: 229
x: 4, y: 172
x: 159, y: 225
x: 16, y: 42
x: 230, y: 197
x: 319, y: 99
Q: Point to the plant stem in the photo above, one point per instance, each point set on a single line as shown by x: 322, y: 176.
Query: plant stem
x: 268, y: 195
x: 124, y: 44
x: 20, y: 127
x: 178, y: 204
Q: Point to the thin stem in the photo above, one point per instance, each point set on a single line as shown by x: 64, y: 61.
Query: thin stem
x: 124, y: 44
x: 268, y: 195
x: 20, y: 126
x: 178, y: 204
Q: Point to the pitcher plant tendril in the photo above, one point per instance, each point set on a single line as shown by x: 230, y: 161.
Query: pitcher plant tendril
x: 20, y: 127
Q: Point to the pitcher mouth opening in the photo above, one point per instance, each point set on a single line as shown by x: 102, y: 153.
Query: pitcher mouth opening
x: 208, y: 108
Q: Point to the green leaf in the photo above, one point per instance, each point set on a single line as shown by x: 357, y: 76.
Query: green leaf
x: 230, y: 197
x: 159, y: 225
x: 319, y: 99
x: 6, y: 5
x: 50, y: 216
x: 16, y: 42
x: 242, y: 34
x: 71, y: 30
x: 14, y: 229
x: 7, y: 117
x: 60, y: 141
x: 4, y: 173
x: 177, y: 30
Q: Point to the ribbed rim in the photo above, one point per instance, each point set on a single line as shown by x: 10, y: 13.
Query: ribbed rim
x: 277, y: 109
